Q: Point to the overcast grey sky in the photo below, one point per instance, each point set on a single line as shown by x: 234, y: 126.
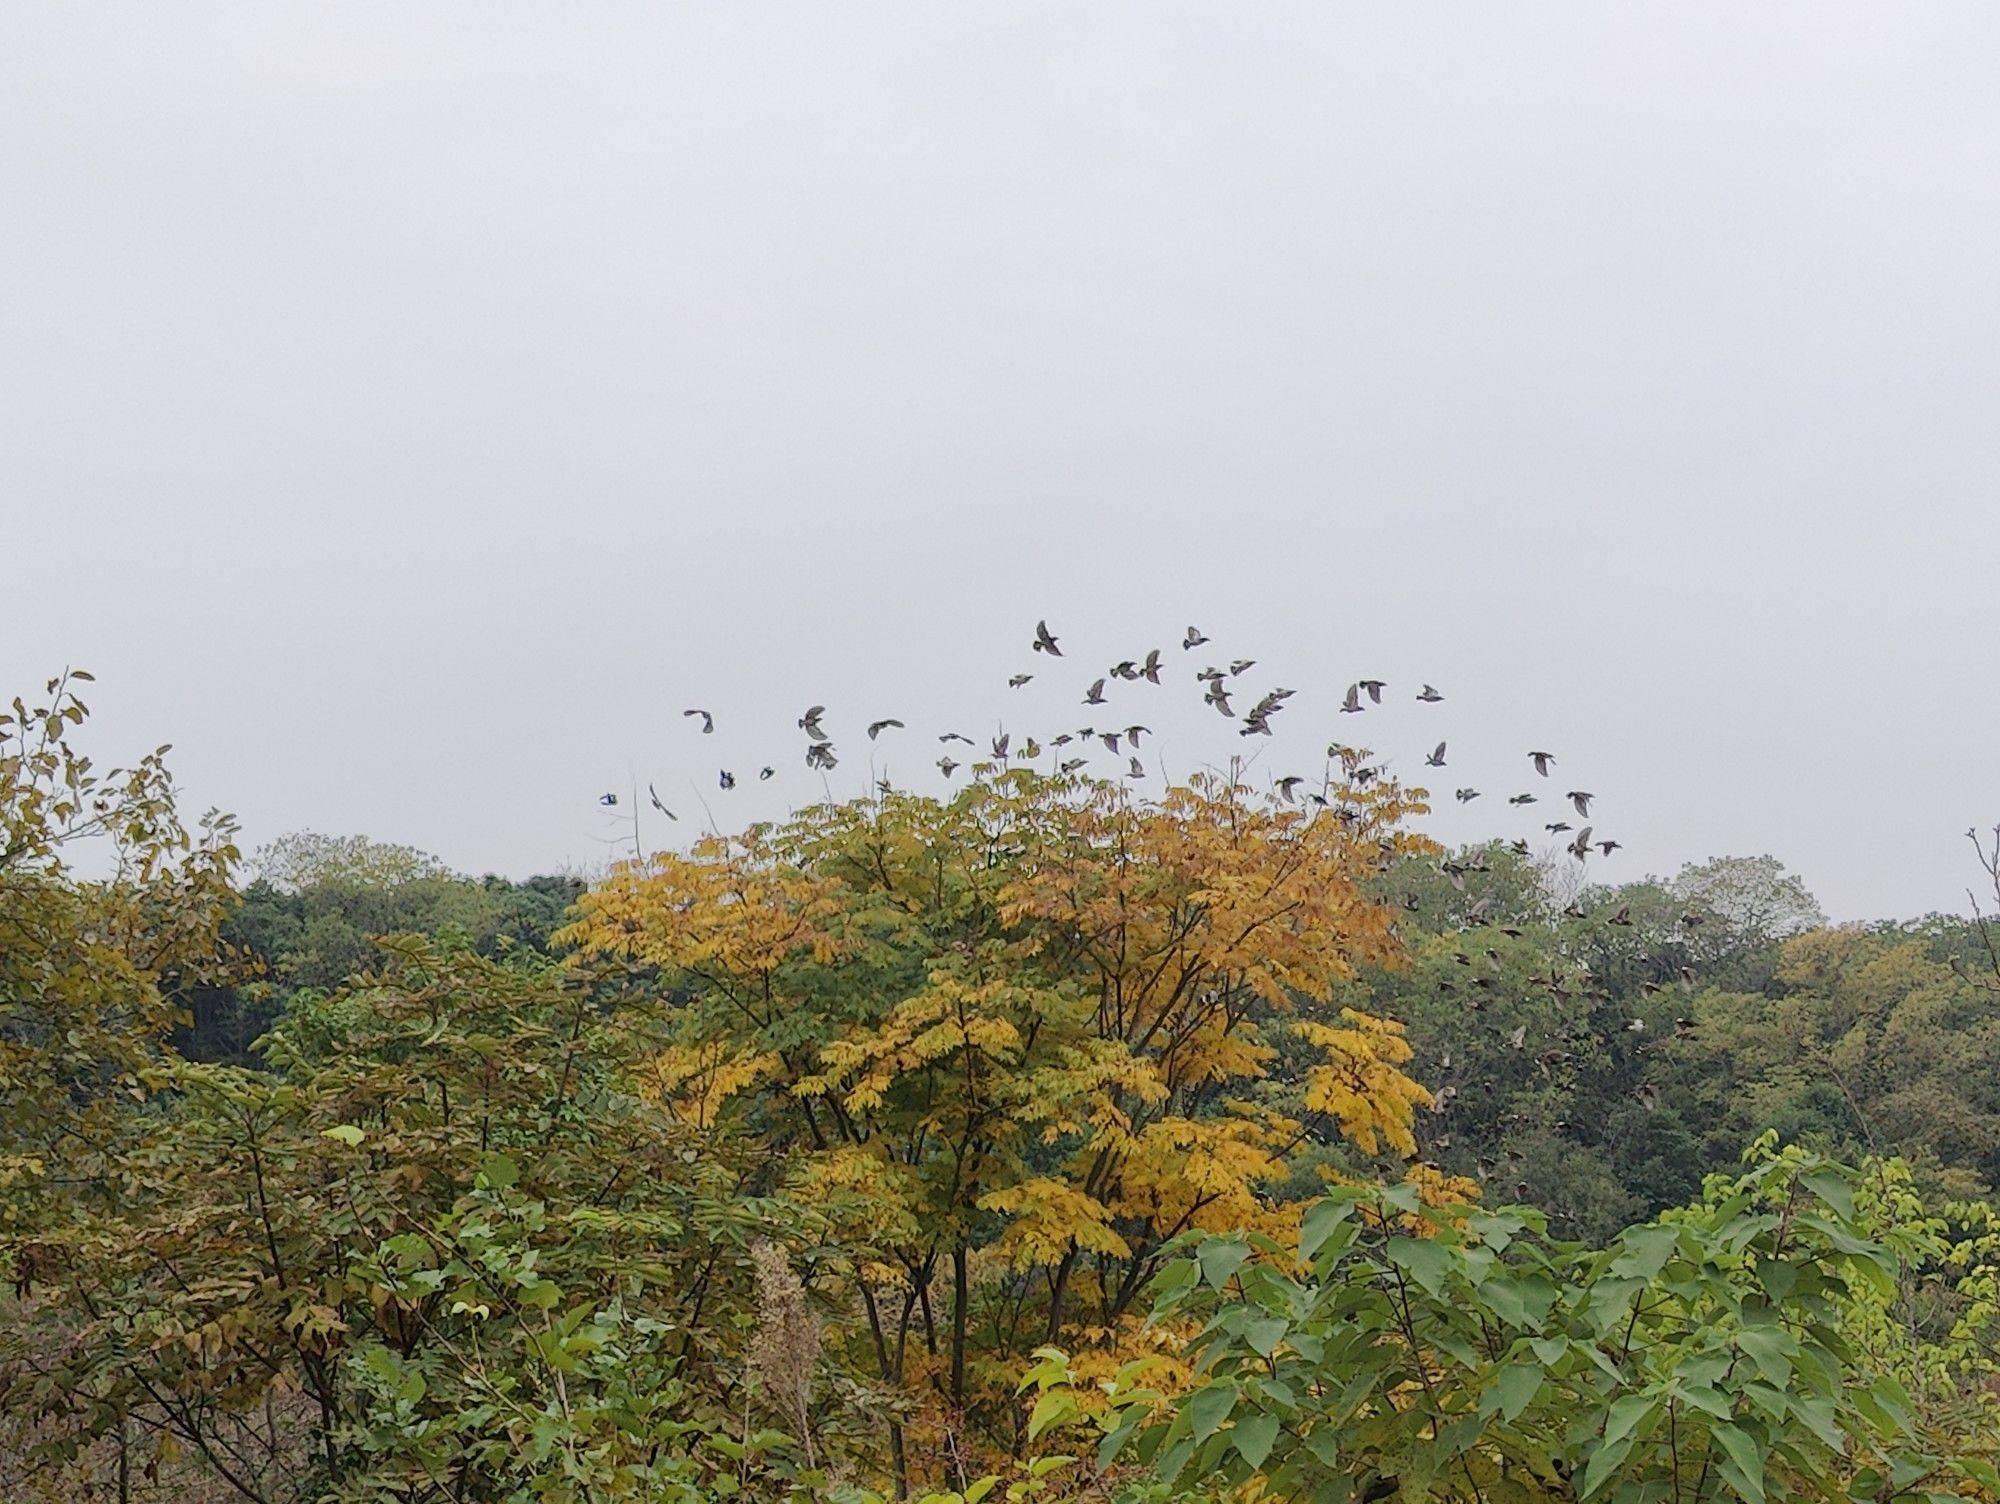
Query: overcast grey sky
x: 407, y: 410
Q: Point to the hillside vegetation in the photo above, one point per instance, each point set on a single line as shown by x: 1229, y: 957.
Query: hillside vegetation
x: 1035, y: 1142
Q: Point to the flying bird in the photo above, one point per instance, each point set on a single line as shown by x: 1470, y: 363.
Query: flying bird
x: 876, y: 728
x: 954, y: 736
x: 1541, y: 760
x: 1015, y: 681
x: 1581, y: 800
x: 1194, y: 639
x: 1436, y: 759
x: 1286, y: 785
x: 1521, y: 799
x: 1429, y: 696
x: 1150, y: 669
x: 707, y: 720
x: 1096, y: 695
x: 1044, y: 642
x: 607, y: 800
x: 1374, y: 688
x: 1242, y: 665
x: 820, y: 755
x: 1136, y: 769
x: 727, y: 779
x: 809, y: 723
x: 766, y: 773
x: 1352, y: 704
x: 946, y: 766
x: 1466, y: 796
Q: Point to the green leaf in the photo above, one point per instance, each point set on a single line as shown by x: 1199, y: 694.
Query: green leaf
x: 1597, y: 1472
x: 1514, y: 1390
x: 1645, y: 1251
x: 1771, y: 1349
x: 1209, y: 1407
x: 1627, y: 1415
x: 1054, y: 1407
x: 1742, y: 1462
x: 1322, y: 1220
x: 1425, y: 1260
x: 1832, y: 1188
x: 1264, y: 1333
x: 1253, y: 1436
x: 346, y: 1133
x: 1221, y: 1258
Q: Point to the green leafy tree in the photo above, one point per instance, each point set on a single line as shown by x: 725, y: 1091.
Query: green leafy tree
x: 1398, y: 1350
x: 443, y: 1234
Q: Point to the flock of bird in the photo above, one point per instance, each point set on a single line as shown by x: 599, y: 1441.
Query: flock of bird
x: 1071, y: 749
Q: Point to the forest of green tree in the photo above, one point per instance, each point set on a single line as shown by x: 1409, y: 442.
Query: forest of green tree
x: 1035, y: 1143
x: 1727, y: 1006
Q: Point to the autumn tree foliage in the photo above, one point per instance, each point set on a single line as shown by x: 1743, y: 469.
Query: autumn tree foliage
x: 93, y: 969
x: 1034, y: 1030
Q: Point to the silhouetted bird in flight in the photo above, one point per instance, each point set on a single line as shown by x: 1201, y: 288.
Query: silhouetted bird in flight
x: 1044, y: 641
x: 707, y: 720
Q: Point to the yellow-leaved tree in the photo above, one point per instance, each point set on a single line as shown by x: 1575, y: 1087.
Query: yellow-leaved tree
x: 1035, y: 1027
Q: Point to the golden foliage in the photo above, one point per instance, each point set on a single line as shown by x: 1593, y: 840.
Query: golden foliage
x: 1039, y: 1028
